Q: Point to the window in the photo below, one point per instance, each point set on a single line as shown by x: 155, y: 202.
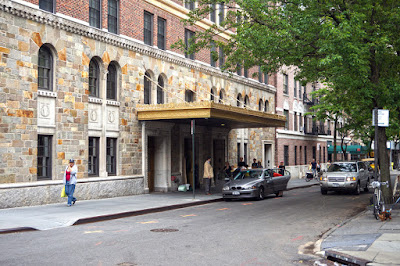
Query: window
x: 221, y: 96
x: 93, y: 162
x: 295, y: 121
x: 259, y: 75
x: 295, y: 155
x: 260, y: 105
x: 245, y: 72
x: 299, y: 90
x: 94, y: 13
x: 239, y: 69
x: 221, y: 57
x: 113, y: 16
x: 213, y: 13
x: 212, y: 95
x: 147, y: 88
x: 94, y: 73
x: 45, y: 69
x: 300, y: 152
x: 285, y: 84
x: 47, y: 5
x: 111, y: 158
x: 160, y: 90
x: 286, y: 113
x: 189, y: 4
x: 305, y: 155
x: 314, y: 152
x: 324, y: 155
x: 286, y: 155
x: 246, y: 101
x: 112, y: 82
x: 221, y: 14
x: 161, y: 26
x: 295, y: 88
x: 266, y: 78
x: 239, y: 100
x: 188, y: 36
x: 148, y: 28
x: 213, y: 54
x: 44, y: 157
x: 266, y: 109
x: 189, y: 96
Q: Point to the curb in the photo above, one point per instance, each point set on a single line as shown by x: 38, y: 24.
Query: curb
x: 17, y: 230
x: 344, y: 258
x: 141, y: 212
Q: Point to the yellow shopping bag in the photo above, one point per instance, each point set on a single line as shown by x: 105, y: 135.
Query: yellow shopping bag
x: 63, y: 195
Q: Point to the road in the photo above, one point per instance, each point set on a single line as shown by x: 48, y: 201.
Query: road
x: 275, y: 231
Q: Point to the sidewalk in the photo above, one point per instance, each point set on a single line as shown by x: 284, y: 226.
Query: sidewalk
x: 45, y: 217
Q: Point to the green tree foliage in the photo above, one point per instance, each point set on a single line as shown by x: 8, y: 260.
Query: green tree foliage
x: 351, y: 46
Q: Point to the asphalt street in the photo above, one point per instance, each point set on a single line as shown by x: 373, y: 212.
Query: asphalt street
x: 275, y: 231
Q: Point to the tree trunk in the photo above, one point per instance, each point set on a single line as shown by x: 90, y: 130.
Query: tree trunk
x: 334, y: 141
x: 384, y: 165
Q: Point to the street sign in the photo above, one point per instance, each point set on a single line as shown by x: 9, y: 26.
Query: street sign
x: 383, y: 118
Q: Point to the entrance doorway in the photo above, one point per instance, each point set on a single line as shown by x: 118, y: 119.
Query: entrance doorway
x: 218, y: 161
x: 267, y: 156
x: 151, y: 150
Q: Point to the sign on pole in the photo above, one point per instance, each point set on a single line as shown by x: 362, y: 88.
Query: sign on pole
x: 383, y: 118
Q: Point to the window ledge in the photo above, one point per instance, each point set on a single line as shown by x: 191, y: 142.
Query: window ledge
x: 50, y: 94
x: 95, y: 100
x: 114, y: 103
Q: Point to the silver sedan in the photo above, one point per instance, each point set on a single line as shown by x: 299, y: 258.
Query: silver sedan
x: 256, y: 183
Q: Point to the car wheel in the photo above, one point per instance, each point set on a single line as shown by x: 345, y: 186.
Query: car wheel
x: 260, y: 193
x: 357, y: 190
x: 324, y: 191
x: 366, y: 189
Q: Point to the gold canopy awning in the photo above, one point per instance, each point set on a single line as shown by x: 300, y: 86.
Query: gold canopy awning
x: 209, y: 113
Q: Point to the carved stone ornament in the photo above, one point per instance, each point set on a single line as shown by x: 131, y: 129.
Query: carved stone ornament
x: 93, y: 115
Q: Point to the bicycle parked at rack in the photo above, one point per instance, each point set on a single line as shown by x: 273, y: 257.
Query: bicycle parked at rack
x: 380, y: 211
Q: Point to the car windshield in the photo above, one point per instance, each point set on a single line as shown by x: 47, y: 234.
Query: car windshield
x: 248, y: 174
x: 343, y: 167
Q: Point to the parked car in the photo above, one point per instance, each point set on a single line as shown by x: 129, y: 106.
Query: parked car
x: 346, y: 176
x: 256, y: 183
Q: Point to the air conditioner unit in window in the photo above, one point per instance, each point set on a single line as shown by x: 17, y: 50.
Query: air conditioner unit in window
x: 301, y: 129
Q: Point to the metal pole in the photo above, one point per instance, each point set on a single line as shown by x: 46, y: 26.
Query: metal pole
x: 376, y: 143
x: 193, y: 156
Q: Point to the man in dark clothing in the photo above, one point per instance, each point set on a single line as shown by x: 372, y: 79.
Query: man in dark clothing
x: 314, y: 168
x: 282, y: 168
x: 254, y: 164
x: 242, y: 163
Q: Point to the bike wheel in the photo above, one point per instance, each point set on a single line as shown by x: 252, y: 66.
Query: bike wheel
x: 376, y: 207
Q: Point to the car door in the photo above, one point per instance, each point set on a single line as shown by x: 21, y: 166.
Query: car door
x: 268, y: 182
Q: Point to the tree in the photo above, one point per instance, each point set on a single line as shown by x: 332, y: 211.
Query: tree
x: 351, y: 46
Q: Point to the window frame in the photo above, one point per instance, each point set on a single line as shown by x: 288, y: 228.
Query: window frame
x: 43, y: 5
x: 148, y: 28
x: 213, y: 49
x: 189, y: 96
x: 112, y: 82
x: 48, y: 158
x: 286, y: 114
x: 93, y: 157
x: 111, y: 159
x: 94, y: 65
x: 161, y: 33
x: 115, y: 17
x: 95, y: 13
x: 221, y: 55
x: 160, y: 91
x: 188, y: 36
x: 286, y: 155
x: 45, y: 54
x: 295, y: 88
x: 285, y: 84
x: 147, y: 88
x: 221, y: 14
x: 213, y: 12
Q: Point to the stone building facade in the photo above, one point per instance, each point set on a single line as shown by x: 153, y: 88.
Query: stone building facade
x: 71, y: 80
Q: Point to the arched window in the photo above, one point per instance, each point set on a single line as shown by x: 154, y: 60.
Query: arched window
x: 266, y: 106
x: 212, y: 95
x: 260, y: 105
x: 246, y: 101
x: 160, y: 90
x: 189, y: 96
x: 94, y: 74
x: 45, y: 69
x: 221, y: 96
x: 112, y: 82
x: 147, y: 88
x: 239, y: 100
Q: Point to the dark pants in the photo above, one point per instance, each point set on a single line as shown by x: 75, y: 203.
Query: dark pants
x: 207, y: 185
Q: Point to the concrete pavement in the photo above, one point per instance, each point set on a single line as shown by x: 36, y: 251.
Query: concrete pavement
x: 361, y: 239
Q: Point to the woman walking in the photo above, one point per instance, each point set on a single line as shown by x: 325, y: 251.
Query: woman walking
x: 70, y: 181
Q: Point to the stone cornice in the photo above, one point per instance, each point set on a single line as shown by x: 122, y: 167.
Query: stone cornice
x: 68, y: 25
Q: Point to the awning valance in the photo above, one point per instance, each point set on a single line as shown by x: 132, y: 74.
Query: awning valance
x: 352, y: 149
x: 209, y: 113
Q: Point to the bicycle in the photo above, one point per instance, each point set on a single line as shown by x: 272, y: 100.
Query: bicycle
x: 379, y: 205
